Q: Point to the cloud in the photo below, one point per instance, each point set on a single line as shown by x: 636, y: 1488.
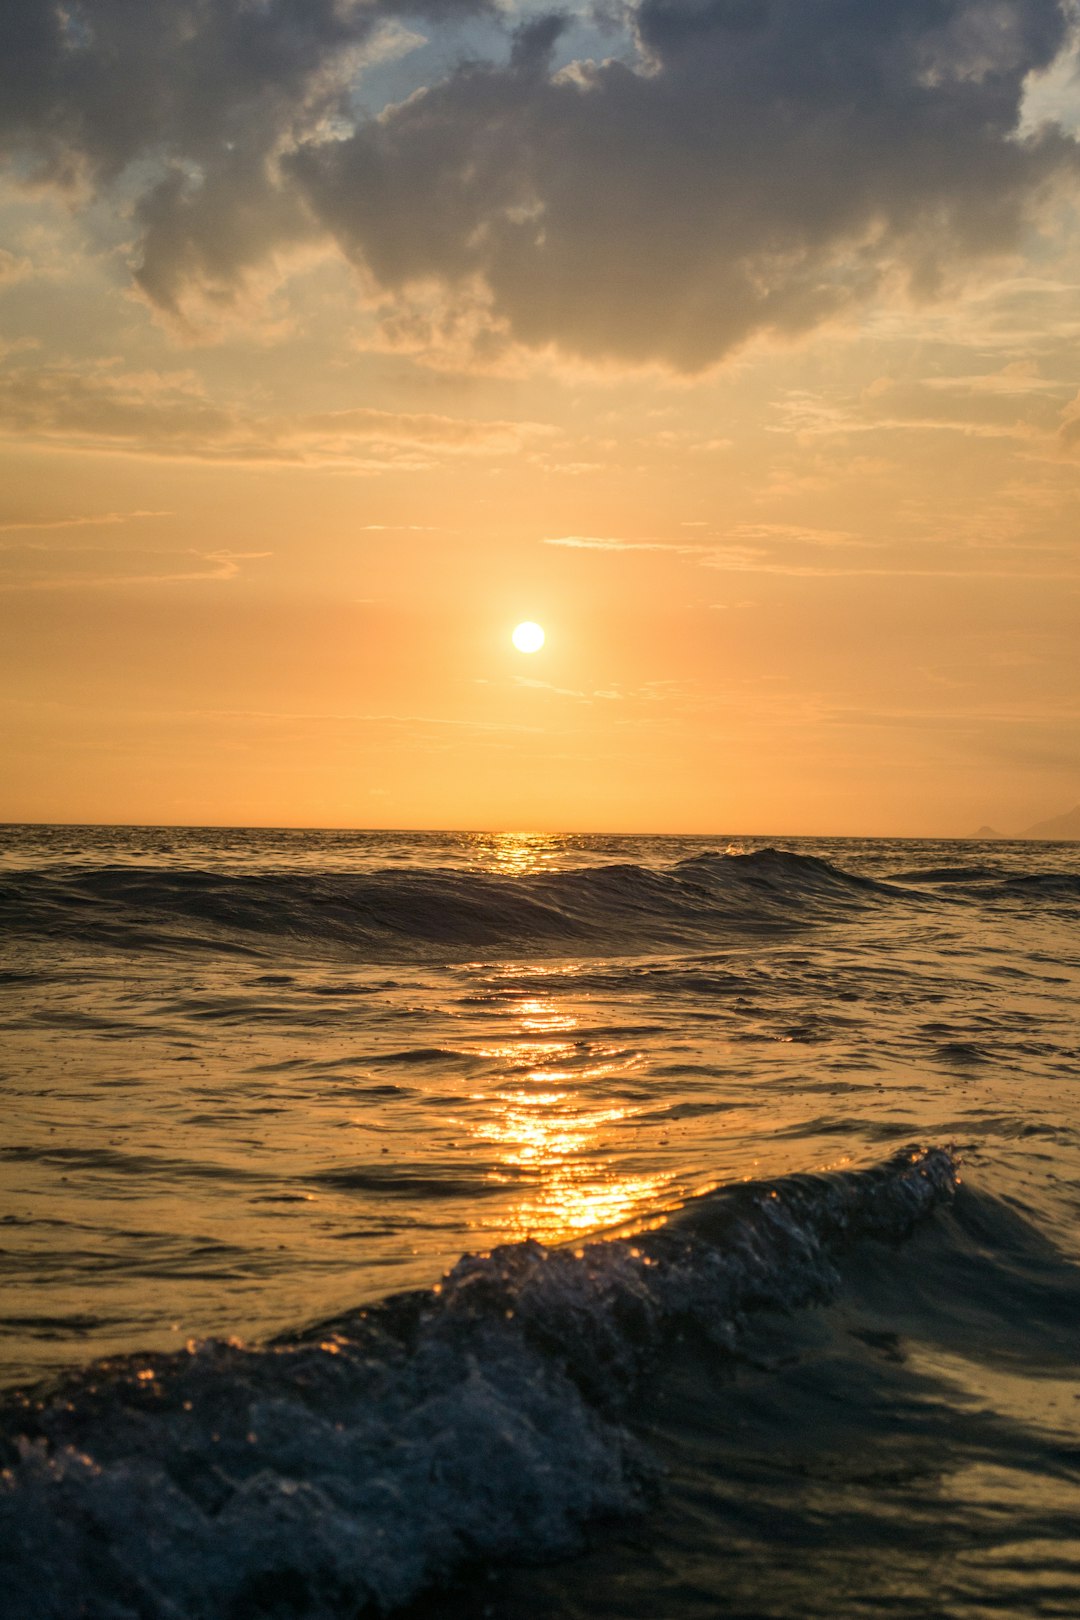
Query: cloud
x: 805, y: 553
x: 741, y: 167
x: 13, y: 269
x: 767, y: 165
x: 205, y: 95
x: 810, y: 417
x: 94, y: 520
x: 161, y: 415
x: 1069, y: 431
x: 590, y: 542
x: 755, y: 533
x: 40, y: 567
x: 1018, y: 378
x: 546, y: 686
x: 404, y: 722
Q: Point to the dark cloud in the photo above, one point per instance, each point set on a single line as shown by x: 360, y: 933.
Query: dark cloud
x: 207, y: 91
x: 772, y: 161
x: 104, y: 81
x: 761, y: 165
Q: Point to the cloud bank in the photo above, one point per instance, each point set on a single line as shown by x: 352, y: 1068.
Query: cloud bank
x: 740, y: 167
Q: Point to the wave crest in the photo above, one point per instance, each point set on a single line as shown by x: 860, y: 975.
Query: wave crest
x: 398, y: 912
x: 360, y: 1463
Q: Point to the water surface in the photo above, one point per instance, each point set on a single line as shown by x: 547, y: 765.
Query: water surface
x: 256, y: 1082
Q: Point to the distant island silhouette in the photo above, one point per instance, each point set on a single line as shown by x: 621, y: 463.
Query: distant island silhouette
x: 1066, y: 826
x: 1055, y: 828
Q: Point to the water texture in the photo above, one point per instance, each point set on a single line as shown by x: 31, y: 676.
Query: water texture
x: 763, y: 1162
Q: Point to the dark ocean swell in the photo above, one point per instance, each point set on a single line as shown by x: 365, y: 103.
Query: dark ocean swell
x: 352, y: 1468
x: 399, y: 912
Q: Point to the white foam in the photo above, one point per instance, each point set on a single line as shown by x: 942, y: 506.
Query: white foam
x: 480, y: 1421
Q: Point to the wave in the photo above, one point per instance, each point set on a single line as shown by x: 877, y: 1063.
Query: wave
x: 401, y: 913
x: 948, y: 874
x: 1025, y: 884
x: 349, y: 1468
x: 398, y: 912
x: 995, y: 882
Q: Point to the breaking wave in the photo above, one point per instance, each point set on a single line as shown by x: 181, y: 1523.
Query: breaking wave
x: 350, y: 1468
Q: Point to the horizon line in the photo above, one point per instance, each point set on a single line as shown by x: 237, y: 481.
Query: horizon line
x: 520, y: 832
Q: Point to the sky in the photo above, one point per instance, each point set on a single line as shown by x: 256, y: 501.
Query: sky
x: 735, y: 342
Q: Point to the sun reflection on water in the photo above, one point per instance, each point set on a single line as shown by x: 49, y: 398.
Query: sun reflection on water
x: 559, y: 1130
x: 516, y: 854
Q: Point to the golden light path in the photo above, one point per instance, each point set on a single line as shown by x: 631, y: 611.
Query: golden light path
x: 559, y: 1107
x: 516, y: 854
x: 559, y: 1132
x: 528, y: 637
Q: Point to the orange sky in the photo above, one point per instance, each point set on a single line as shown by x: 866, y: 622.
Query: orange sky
x: 756, y: 387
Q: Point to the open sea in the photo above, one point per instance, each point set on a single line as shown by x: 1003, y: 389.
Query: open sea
x: 537, y: 1228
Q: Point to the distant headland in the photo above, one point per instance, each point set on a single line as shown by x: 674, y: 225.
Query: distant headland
x: 1055, y: 828
x: 1066, y: 826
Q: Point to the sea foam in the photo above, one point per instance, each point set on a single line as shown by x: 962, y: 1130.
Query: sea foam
x: 356, y: 1465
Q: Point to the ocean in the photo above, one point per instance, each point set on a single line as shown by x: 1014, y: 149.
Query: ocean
x: 544, y: 1228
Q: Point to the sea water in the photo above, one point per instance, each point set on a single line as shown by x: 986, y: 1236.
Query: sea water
x: 537, y: 1226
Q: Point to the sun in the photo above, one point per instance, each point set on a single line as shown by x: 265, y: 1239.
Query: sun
x: 528, y: 637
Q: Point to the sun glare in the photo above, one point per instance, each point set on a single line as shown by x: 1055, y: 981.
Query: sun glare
x: 528, y: 637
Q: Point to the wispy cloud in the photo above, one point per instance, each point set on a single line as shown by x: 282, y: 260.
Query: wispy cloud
x: 1015, y: 380
x: 587, y: 542
x: 40, y: 567
x: 435, y: 722
x: 1069, y: 431
x: 806, y: 553
x: 170, y: 416
x: 547, y: 686
x: 809, y: 417
x: 648, y: 692
x: 803, y: 534
x: 94, y: 520
x: 13, y: 269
